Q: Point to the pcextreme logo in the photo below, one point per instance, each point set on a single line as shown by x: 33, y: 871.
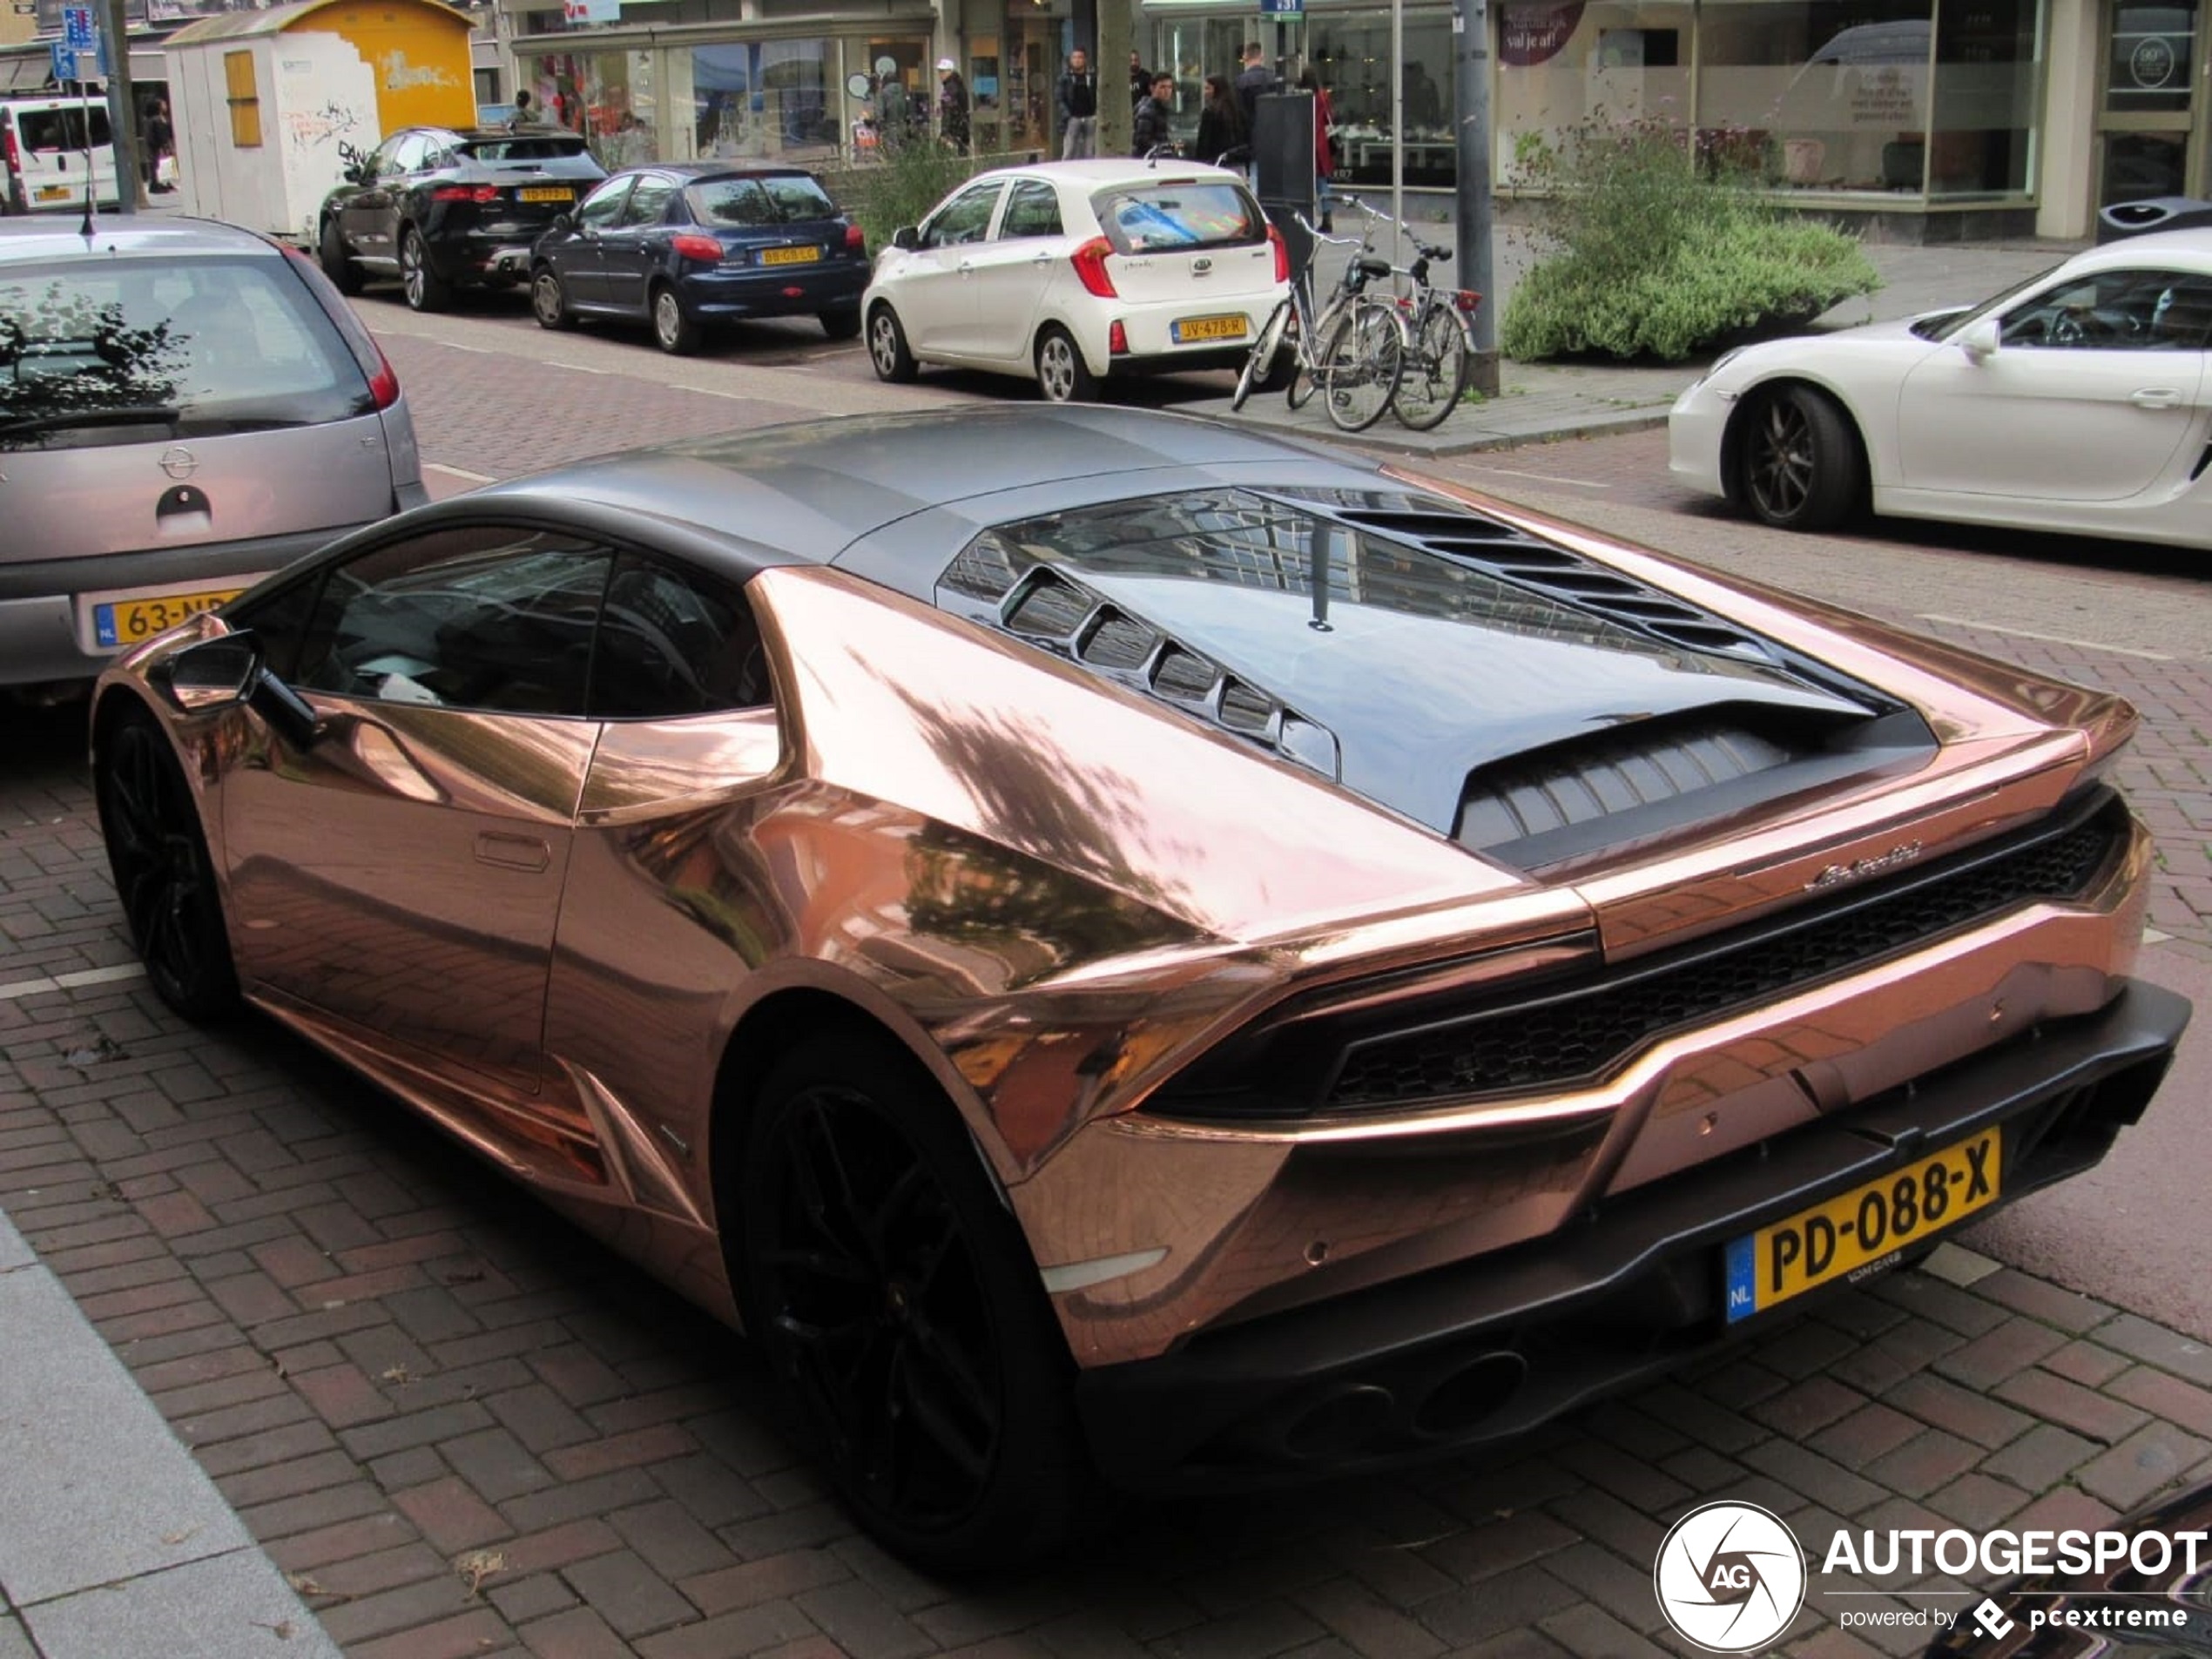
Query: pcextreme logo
x: 1730, y: 1577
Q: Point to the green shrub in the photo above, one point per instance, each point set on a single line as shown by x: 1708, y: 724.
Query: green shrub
x: 909, y: 180
x: 1662, y: 250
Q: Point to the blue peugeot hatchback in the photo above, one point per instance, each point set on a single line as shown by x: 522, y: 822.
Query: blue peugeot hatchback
x: 685, y: 245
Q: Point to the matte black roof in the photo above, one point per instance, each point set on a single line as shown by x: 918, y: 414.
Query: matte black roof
x: 809, y: 490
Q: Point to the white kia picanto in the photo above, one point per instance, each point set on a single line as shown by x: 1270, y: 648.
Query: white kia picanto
x: 1074, y: 271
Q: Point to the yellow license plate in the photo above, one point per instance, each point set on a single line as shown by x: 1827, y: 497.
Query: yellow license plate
x: 1193, y: 328
x: 1863, y: 1228
x: 546, y: 193
x: 790, y: 256
x: 52, y: 193
x: 128, y: 620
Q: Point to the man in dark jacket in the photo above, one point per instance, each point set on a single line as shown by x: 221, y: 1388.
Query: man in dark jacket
x: 1255, y: 78
x: 1077, y: 97
x: 1151, y: 127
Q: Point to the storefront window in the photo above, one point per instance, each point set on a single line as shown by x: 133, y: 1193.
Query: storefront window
x: 1988, y: 85
x: 1831, y: 94
x: 1351, y: 52
x: 1563, y: 65
x: 608, y: 96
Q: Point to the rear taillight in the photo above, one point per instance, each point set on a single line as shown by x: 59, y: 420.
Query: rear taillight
x: 384, y: 384
x: 9, y: 154
x: 1281, y: 254
x: 1467, y: 300
x: 1090, y: 262
x: 465, y: 193
x: 856, y: 239
x: 690, y: 246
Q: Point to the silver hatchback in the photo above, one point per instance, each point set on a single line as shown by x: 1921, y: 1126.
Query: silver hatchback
x: 184, y: 407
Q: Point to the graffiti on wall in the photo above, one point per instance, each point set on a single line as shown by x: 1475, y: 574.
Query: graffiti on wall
x: 312, y: 128
x: 400, y: 75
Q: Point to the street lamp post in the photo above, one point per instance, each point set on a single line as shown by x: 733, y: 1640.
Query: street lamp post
x: 1471, y: 87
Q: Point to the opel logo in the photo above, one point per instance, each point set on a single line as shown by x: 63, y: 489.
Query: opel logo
x: 179, y: 462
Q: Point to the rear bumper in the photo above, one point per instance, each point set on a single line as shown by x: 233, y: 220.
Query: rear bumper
x: 1181, y: 363
x: 1491, y: 1348
x: 38, y: 642
x: 713, y: 296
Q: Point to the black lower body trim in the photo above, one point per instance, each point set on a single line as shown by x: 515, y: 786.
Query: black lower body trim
x: 1492, y: 1348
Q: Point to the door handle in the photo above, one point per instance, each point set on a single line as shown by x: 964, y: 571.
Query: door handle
x: 2156, y: 397
x: 525, y: 852
x: 966, y: 268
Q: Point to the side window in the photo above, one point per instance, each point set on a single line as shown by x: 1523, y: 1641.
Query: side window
x: 279, y: 619
x: 967, y: 217
x: 410, y: 151
x: 674, y: 641
x: 486, y: 617
x: 1032, y: 210
x: 604, y: 206
x: 384, y: 164
x: 649, y: 202
x: 2124, y: 310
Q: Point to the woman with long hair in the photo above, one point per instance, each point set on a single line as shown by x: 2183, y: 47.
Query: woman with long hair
x: 1221, y: 122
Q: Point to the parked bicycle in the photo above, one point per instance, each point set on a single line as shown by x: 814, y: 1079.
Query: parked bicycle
x: 1440, y: 354
x: 1352, y: 349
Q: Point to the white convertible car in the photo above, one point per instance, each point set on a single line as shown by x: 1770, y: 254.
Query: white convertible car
x: 2080, y: 400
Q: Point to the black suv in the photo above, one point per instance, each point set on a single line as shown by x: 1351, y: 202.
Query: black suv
x: 443, y: 210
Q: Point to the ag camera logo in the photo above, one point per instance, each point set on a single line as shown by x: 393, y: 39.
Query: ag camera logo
x: 1730, y: 1577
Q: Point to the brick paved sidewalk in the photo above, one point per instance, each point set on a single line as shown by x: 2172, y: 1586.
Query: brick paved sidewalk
x: 463, y: 1428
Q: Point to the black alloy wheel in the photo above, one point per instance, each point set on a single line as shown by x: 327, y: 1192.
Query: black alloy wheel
x: 1799, y: 467
x: 162, y: 874
x: 896, y: 1303
x: 424, y: 288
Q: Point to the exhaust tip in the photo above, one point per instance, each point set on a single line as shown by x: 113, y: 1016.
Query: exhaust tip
x: 1340, y: 1424
x: 1464, y: 1397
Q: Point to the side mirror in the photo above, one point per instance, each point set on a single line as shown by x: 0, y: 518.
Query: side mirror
x: 906, y: 237
x: 562, y: 222
x: 1981, y: 338
x: 227, y: 670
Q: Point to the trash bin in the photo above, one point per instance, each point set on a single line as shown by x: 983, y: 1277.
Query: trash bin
x: 2158, y: 213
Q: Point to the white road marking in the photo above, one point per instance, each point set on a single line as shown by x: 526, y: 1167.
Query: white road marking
x: 2053, y: 639
x: 712, y: 391
x: 1547, y: 478
x: 581, y: 368
x: 82, y: 976
x: 459, y: 472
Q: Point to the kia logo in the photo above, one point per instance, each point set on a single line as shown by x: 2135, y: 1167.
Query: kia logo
x: 179, y: 462
x: 1199, y: 267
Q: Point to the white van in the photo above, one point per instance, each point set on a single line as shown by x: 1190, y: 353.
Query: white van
x: 42, y: 164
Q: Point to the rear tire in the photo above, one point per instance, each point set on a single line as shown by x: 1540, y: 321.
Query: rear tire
x: 898, y: 1305
x: 1436, y: 371
x: 336, y: 263
x: 888, y: 348
x: 550, y: 301
x: 840, y: 325
x: 424, y: 288
x: 1798, y: 466
x: 1062, y: 377
x: 673, y: 331
x: 163, y: 875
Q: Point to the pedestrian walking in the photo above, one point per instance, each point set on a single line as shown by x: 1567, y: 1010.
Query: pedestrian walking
x: 1252, y: 80
x: 158, y: 139
x: 894, y: 110
x: 1140, y: 81
x: 1221, y: 122
x: 1077, y: 99
x: 1152, y: 129
x: 525, y: 114
x: 952, y: 105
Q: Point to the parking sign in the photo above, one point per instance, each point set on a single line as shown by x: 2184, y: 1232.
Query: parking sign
x: 77, y: 28
x: 64, y: 62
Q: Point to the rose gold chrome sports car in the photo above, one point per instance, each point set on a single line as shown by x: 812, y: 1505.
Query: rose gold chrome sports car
x: 1110, y: 942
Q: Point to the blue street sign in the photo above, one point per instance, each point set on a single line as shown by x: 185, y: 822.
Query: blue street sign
x: 64, y: 62
x: 77, y: 28
x: 1283, y: 10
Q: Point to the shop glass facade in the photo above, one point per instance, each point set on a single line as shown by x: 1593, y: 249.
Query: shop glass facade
x: 1899, y: 99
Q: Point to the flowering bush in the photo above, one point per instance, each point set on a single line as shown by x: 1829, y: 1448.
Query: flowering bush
x: 1662, y: 248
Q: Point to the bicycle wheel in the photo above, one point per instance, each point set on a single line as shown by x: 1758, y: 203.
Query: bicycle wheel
x: 1360, y: 364
x: 1436, y: 369
x: 1259, y: 362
